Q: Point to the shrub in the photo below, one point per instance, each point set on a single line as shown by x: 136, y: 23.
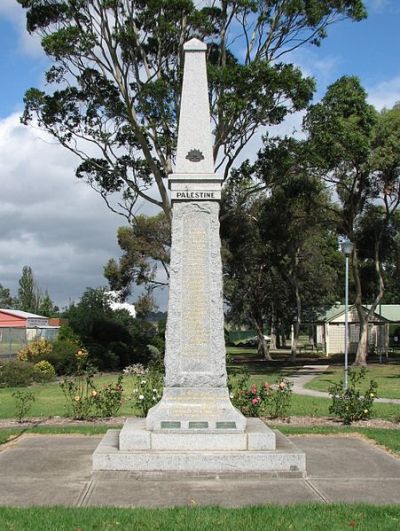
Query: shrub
x: 35, y: 350
x: 62, y: 356
x: 147, y: 392
x: 101, y: 357
x: 23, y: 403
x: 280, y: 399
x: 43, y: 371
x: 16, y: 373
x: 79, y: 390
x: 108, y: 399
x: 84, y: 400
x: 262, y: 400
x: 350, y: 404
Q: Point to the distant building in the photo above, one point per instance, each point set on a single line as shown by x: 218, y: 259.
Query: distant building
x: 330, y: 328
x: 18, y: 327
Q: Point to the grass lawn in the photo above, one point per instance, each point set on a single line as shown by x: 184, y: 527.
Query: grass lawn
x: 50, y: 401
x: 308, y: 517
x: 387, y: 377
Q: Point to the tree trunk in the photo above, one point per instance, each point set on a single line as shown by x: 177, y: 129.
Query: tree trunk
x: 296, y: 328
x: 273, y: 330
x: 364, y: 318
x: 282, y: 336
x: 262, y: 345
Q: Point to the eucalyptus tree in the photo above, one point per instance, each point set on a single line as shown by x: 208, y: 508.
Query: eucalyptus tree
x: 356, y: 151
x: 297, y: 226
x: 250, y: 283
x: 113, y: 93
x: 145, y: 247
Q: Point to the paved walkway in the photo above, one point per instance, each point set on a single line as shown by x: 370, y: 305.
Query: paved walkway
x: 56, y: 470
x: 308, y: 372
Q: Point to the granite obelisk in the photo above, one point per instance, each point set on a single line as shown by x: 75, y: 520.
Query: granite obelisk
x: 195, y: 393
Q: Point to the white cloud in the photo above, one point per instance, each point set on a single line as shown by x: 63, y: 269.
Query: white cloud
x: 27, y: 44
x: 379, y: 5
x: 385, y: 93
x: 50, y: 220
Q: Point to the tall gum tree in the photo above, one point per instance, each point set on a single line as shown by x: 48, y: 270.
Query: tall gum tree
x: 355, y: 150
x: 296, y: 227
x: 114, y: 83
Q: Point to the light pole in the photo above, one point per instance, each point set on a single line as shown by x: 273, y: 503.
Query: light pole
x: 347, y: 249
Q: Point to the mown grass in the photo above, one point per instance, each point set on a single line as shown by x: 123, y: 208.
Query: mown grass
x: 387, y: 377
x: 309, y: 517
x: 50, y: 401
x: 389, y: 438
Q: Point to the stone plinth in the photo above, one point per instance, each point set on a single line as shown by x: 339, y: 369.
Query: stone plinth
x: 198, y: 453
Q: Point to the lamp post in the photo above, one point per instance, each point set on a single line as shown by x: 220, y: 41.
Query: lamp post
x: 347, y: 249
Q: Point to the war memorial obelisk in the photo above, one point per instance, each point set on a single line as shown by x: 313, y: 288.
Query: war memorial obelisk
x: 195, y: 428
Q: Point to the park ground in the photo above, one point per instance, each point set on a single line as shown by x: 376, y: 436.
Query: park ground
x: 309, y: 417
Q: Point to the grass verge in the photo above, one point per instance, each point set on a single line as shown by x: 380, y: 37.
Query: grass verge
x: 308, y: 517
x: 8, y: 434
x: 388, y: 438
x: 387, y: 376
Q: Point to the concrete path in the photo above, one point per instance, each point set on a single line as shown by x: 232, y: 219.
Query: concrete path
x: 56, y: 470
x: 308, y: 372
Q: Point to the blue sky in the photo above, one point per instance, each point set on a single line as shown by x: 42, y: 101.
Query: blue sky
x: 43, y: 207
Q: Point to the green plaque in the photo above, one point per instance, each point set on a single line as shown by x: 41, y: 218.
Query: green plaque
x: 226, y: 425
x: 198, y: 424
x: 170, y: 424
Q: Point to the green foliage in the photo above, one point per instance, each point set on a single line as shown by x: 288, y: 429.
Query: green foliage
x: 113, y: 339
x: 6, y: 300
x: 16, y: 373
x: 23, y: 403
x: 351, y: 404
x: 85, y: 400
x: 43, y: 371
x: 108, y: 399
x: 280, y: 399
x: 147, y: 392
x: 35, y: 350
x: 145, y: 246
x: 124, y: 78
x: 62, y: 356
x: 79, y: 390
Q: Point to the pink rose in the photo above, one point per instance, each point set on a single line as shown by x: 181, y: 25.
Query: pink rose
x: 255, y: 401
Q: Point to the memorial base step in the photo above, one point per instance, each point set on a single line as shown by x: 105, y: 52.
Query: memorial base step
x: 286, y: 458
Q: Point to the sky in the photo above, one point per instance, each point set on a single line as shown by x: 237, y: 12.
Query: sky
x: 61, y: 227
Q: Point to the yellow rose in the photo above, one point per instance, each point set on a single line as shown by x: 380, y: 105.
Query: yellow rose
x: 77, y: 398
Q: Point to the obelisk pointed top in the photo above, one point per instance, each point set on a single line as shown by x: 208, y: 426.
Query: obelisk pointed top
x: 195, y: 45
x: 194, y: 151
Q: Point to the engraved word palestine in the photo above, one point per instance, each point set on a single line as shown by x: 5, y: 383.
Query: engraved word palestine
x: 195, y: 195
